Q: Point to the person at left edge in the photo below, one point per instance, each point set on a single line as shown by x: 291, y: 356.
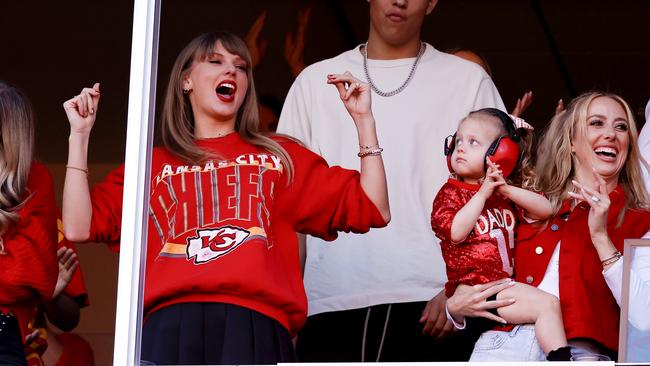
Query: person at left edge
x: 28, y: 264
x: 223, y: 281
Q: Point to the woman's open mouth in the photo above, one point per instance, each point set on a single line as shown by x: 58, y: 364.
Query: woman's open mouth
x: 606, y: 153
x: 226, y: 91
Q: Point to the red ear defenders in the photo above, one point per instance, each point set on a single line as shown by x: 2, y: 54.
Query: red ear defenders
x: 504, y: 151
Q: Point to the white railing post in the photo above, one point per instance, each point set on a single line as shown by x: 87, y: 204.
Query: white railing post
x: 142, y: 95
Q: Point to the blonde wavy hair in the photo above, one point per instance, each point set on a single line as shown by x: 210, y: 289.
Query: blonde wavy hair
x: 177, y: 115
x: 16, y: 151
x: 555, y: 161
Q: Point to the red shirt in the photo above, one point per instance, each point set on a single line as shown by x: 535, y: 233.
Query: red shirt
x: 76, y: 351
x: 29, y: 270
x: 76, y: 289
x: 486, y: 254
x: 224, y: 231
x: 588, y: 308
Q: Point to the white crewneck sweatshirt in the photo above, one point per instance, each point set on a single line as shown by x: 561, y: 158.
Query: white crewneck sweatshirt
x: 402, y: 262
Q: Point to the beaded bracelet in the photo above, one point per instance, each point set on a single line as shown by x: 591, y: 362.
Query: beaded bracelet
x: 616, y: 256
x: 373, y: 152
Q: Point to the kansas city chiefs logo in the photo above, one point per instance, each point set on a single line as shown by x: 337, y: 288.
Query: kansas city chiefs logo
x: 214, y: 243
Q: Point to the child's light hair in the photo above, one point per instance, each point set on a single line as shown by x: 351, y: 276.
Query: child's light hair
x: 523, y: 175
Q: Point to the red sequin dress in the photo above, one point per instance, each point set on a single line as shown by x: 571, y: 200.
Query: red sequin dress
x: 486, y: 254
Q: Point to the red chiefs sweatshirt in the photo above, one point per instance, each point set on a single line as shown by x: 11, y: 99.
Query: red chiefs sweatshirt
x: 224, y: 231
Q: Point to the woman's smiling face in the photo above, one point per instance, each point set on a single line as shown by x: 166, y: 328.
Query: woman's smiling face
x: 605, y: 143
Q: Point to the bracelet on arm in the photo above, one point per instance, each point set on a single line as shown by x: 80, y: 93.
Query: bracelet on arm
x: 85, y: 170
x: 368, y: 147
x: 616, y: 256
x: 459, y: 326
x: 373, y: 152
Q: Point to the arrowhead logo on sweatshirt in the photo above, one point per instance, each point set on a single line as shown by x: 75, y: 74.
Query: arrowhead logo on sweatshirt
x: 210, y: 244
x: 202, y: 213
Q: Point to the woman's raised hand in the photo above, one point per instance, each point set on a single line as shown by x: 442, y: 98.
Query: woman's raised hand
x: 522, y: 104
x: 294, y: 45
x: 82, y: 109
x: 598, y: 200
x: 354, y: 93
x: 256, y: 45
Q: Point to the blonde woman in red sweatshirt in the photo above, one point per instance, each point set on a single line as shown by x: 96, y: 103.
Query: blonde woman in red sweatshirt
x: 28, y: 263
x: 223, y: 281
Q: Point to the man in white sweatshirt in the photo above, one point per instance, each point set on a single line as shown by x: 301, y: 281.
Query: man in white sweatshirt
x: 379, y: 296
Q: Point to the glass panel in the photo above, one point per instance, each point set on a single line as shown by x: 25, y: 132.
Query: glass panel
x: 638, y: 299
x: 142, y: 94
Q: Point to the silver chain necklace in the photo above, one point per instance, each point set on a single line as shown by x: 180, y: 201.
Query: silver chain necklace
x: 408, y: 79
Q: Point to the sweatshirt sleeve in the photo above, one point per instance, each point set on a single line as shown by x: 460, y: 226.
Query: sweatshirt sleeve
x: 106, y: 198
x: 295, y: 119
x: 487, y: 95
x: 29, y: 268
x: 445, y: 206
x: 323, y: 200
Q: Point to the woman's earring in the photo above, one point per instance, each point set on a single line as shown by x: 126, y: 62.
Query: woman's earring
x: 186, y: 91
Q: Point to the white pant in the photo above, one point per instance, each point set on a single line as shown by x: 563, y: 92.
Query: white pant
x: 519, y: 344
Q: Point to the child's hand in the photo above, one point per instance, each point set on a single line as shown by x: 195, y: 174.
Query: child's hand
x: 498, y: 177
x: 68, y: 263
x: 493, y: 180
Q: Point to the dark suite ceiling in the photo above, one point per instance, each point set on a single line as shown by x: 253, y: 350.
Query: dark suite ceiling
x: 555, y: 48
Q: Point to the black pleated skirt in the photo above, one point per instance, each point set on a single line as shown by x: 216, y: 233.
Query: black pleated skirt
x: 212, y: 334
x: 12, y: 351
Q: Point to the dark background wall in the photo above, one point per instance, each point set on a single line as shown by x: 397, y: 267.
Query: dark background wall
x: 52, y: 49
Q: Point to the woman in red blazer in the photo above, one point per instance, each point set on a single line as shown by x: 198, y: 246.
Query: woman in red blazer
x: 588, y: 167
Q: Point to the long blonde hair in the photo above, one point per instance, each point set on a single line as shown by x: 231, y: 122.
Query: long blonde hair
x: 16, y: 151
x: 555, y: 168
x: 177, y: 116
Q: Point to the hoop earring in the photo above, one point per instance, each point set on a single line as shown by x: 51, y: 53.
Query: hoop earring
x: 186, y: 91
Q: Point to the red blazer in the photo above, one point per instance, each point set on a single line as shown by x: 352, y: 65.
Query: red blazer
x: 588, y: 308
